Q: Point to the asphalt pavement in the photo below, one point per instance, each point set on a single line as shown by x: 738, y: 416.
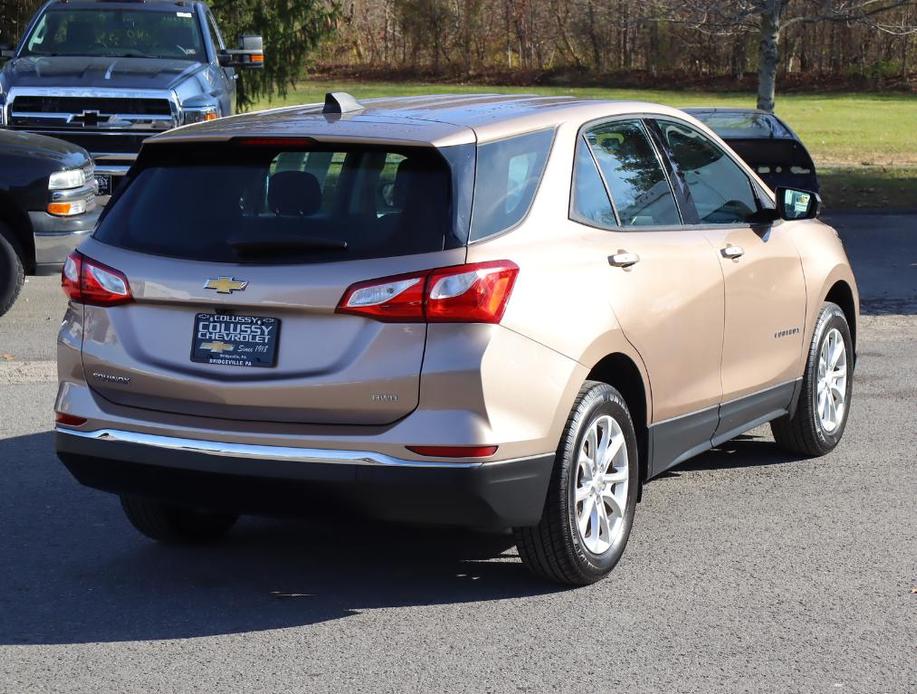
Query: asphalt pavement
x: 747, y: 570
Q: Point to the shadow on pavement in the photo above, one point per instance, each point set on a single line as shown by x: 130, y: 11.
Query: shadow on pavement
x: 73, y: 571
x: 746, y: 450
x: 882, y: 249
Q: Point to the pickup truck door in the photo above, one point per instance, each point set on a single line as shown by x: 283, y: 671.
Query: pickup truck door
x: 227, y: 75
x: 764, y: 287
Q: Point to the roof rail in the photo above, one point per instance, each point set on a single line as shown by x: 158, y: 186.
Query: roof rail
x: 341, y: 102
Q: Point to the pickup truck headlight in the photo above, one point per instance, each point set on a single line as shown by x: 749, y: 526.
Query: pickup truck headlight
x: 200, y: 115
x: 70, y: 178
x: 72, y: 191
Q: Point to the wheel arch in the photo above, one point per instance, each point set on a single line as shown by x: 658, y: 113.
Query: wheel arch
x: 20, y: 227
x: 841, y: 294
x: 621, y: 372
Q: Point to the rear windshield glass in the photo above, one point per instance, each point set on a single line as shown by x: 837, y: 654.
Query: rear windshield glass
x: 744, y: 125
x: 257, y: 204
x: 506, y: 179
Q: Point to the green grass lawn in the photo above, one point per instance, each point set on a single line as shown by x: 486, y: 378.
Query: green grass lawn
x: 840, y: 130
x: 865, y: 145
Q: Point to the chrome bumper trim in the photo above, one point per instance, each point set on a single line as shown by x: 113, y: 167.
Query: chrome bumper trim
x: 264, y: 452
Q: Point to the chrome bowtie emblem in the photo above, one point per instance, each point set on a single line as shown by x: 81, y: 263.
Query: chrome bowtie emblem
x: 225, y: 285
x: 88, y: 119
x: 217, y: 347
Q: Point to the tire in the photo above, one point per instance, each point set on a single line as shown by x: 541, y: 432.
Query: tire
x: 807, y: 431
x: 12, y: 273
x: 173, y: 524
x: 556, y: 549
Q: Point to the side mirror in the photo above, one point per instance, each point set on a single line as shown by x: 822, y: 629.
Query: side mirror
x: 797, y: 204
x: 249, y: 55
x: 7, y: 50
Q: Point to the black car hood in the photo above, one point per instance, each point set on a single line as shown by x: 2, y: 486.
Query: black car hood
x: 31, y: 146
x: 106, y: 73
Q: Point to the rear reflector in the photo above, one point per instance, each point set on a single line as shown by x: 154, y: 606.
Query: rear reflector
x: 454, y: 451
x: 69, y: 419
x: 86, y: 281
x: 473, y: 293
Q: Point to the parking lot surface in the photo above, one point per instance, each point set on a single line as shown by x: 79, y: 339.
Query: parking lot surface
x: 747, y: 570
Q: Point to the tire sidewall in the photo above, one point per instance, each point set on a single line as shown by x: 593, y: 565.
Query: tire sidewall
x: 11, y: 271
x: 603, y: 400
x: 832, y: 318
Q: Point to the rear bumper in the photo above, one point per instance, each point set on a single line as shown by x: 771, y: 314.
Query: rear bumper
x: 277, y: 480
x: 56, y: 237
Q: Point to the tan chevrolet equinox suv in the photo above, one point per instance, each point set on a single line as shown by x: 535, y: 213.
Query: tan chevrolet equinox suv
x: 486, y: 311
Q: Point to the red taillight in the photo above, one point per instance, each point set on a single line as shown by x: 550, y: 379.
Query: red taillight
x: 454, y: 451
x: 395, y: 299
x: 69, y: 420
x: 473, y: 293
x: 86, y: 281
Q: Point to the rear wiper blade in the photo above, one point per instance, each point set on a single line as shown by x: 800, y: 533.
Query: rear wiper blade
x: 260, y: 247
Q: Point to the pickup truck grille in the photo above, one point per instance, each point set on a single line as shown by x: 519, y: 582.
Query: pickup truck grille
x: 43, y: 112
x: 106, y: 105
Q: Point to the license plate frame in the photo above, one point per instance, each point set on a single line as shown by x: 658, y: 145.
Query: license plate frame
x: 103, y: 181
x: 230, y: 339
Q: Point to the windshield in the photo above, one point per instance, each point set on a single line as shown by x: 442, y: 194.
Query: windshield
x: 253, y: 203
x: 744, y: 125
x: 115, y: 34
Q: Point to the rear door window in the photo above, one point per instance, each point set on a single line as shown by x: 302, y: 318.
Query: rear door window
x: 633, y: 174
x: 324, y: 203
x: 506, y: 179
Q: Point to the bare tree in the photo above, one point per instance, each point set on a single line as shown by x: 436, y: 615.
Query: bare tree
x: 769, y: 18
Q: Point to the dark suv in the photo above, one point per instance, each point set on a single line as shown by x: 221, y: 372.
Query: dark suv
x: 47, y: 206
x: 107, y: 75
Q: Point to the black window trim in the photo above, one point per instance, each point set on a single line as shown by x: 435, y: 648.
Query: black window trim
x: 638, y: 118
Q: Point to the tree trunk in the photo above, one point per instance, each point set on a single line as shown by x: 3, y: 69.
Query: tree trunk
x: 769, y: 54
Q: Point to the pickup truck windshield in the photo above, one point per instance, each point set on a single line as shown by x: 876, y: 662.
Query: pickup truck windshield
x: 116, y: 34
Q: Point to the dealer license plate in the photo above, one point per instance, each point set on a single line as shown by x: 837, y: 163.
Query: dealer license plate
x: 233, y: 340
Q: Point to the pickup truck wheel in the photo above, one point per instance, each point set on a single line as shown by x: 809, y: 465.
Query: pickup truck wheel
x: 173, y: 524
x: 818, y: 423
x: 12, y: 273
x: 592, y: 495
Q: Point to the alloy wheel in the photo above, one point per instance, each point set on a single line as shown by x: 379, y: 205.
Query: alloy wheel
x: 600, y: 492
x: 831, y: 390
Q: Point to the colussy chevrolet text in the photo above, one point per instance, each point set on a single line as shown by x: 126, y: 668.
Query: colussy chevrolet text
x: 488, y: 311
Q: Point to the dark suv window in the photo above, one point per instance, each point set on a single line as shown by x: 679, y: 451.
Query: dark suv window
x: 720, y: 190
x: 633, y: 174
x: 257, y: 204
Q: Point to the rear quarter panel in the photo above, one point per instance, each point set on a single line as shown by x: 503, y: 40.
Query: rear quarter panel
x: 561, y: 298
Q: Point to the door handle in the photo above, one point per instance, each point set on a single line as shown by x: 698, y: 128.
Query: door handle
x: 623, y: 259
x: 733, y: 252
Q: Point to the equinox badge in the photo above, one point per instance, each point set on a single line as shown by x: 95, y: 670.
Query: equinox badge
x: 226, y: 285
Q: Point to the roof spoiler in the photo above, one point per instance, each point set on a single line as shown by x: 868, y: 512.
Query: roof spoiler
x: 341, y: 102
